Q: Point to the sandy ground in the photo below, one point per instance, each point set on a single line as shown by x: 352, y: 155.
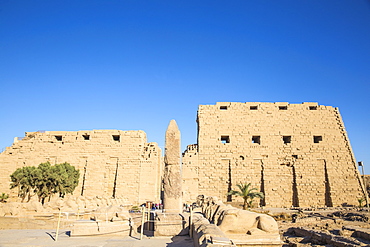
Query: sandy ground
x: 40, y: 231
x: 33, y: 237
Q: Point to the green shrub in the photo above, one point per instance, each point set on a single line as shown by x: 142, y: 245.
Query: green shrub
x: 3, y: 197
x: 45, y: 180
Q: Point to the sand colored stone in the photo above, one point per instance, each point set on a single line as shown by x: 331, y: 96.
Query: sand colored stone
x: 242, y: 227
x: 172, y: 178
x: 296, y: 154
x: 112, y: 163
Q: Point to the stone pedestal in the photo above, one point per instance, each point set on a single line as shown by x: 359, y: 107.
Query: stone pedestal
x: 171, y: 224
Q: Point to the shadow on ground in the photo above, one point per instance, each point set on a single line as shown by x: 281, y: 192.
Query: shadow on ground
x: 181, y: 241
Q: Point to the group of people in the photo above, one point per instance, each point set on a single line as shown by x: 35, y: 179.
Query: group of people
x: 152, y: 205
x: 159, y: 206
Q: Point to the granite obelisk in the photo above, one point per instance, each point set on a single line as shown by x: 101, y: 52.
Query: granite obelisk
x: 172, y: 177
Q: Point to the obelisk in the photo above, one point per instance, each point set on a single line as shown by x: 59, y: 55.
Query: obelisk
x: 172, y: 178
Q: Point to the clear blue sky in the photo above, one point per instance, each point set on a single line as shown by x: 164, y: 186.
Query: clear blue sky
x: 129, y: 65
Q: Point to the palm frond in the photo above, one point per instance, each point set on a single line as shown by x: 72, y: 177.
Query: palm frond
x: 247, y: 193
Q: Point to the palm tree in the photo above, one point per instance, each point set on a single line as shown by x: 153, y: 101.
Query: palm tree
x: 247, y: 193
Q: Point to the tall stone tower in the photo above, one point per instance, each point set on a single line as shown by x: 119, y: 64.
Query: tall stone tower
x: 172, y: 179
x: 296, y: 154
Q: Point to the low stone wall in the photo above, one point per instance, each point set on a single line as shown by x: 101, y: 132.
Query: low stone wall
x: 83, y: 216
x: 36, y: 222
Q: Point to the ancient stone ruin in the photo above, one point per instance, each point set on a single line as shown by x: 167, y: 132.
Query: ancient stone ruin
x: 112, y: 163
x: 218, y: 223
x: 172, y: 179
x: 296, y: 154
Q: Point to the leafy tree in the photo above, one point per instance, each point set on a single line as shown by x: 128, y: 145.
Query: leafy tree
x: 248, y: 194
x: 24, y: 179
x: 66, y: 178
x: 45, y: 180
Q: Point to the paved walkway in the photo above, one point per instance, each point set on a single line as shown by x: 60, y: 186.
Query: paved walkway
x: 12, y: 238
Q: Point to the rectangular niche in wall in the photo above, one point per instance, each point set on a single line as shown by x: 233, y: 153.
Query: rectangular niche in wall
x: 59, y: 138
x: 283, y: 107
x: 116, y: 138
x: 225, y: 139
x: 287, y: 139
x: 317, y: 139
x: 256, y: 139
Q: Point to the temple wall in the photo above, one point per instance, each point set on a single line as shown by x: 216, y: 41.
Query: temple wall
x: 190, y: 174
x: 297, y: 154
x: 112, y: 163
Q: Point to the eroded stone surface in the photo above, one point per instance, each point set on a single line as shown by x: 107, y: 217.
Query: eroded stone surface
x: 172, y: 178
x: 243, y: 227
x: 112, y: 163
x: 296, y: 154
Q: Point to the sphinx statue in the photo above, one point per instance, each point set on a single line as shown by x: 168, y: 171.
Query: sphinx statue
x: 242, y: 226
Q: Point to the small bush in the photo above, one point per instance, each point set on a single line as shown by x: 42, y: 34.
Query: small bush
x: 135, y: 209
x: 360, y: 202
x: 3, y: 197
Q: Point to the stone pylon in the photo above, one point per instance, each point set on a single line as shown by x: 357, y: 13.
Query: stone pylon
x: 172, y: 178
